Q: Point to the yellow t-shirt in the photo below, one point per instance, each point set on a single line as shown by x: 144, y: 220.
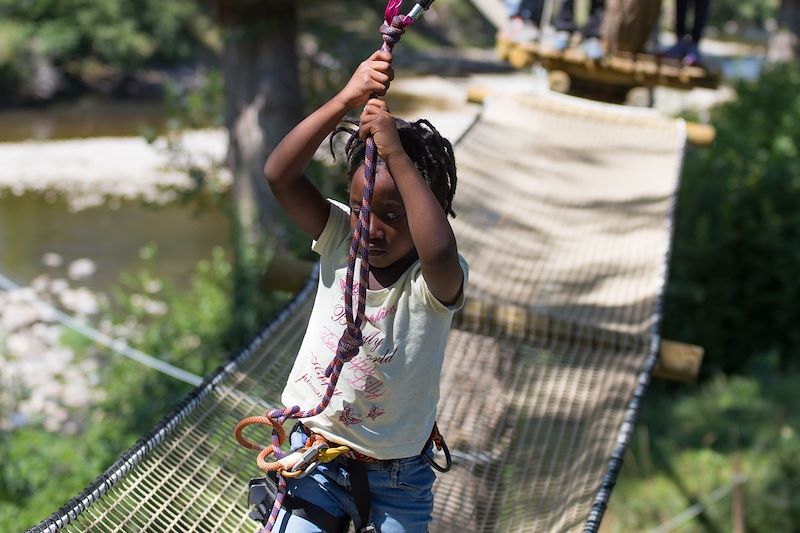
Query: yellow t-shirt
x: 385, y: 401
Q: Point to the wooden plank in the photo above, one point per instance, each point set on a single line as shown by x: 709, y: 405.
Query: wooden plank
x: 700, y: 134
x: 679, y: 361
x: 621, y: 68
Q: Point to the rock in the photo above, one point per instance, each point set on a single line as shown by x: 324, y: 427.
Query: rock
x: 81, y: 269
x: 50, y: 334
x: 59, y: 285
x: 80, y: 301
x: 52, y: 260
x: 17, y: 316
x: 24, y: 345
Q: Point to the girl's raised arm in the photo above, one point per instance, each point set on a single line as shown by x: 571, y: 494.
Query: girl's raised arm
x: 427, y: 222
x: 284, y: 168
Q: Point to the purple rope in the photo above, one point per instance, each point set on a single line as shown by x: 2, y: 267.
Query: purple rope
x: 392, y: 30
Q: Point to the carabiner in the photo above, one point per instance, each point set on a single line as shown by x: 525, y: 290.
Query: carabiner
x: 307, y: 462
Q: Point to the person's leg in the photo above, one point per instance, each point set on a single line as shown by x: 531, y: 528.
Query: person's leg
x: 565, y: 18
x: 401, y: 495
x: 680, y: 18
x: 595, y: 21
x: 681, y: 46
x: 513, y: 8
x: 536, y: 10
x: 691, y: 55
x: 700, y: 20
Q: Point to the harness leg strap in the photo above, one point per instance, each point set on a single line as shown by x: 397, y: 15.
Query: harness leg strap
x: 359, y: 489
x: 262, y: 496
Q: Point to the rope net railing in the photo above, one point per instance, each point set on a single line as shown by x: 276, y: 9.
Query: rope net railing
x: 564, y: 213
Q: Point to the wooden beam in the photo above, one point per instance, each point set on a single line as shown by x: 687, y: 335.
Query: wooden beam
x: 621, y: 68
x: 700, y: 134
x: 679, y: 361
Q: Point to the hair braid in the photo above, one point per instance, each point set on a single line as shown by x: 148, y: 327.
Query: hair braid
x: 431, y: 153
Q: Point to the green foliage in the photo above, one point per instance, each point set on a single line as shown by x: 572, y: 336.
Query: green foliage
x: 200, y: 107
x: 191, y: 328
x: 747, y: 12
x: 92, y: 40
x: 119, y: 33
x: 733, y: 278
x: 687, y: 447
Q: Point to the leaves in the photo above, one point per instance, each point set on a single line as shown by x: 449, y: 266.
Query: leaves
x: 733, y: 285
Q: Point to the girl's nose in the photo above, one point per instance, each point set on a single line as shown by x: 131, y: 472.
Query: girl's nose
x: 375, y: 228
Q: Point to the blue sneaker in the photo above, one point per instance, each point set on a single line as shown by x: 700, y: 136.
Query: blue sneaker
x: 592, y: 48
x: 676, y: 51
x: 559, y: 41
x: 692, y: 57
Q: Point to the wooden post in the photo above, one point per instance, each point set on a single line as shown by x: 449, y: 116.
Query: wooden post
x: 679, y: 361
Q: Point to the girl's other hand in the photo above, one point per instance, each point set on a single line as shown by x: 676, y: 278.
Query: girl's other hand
x: 372, y: 77
x: 378, y: 122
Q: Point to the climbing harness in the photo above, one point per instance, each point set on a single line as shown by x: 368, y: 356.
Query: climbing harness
x: 317, y: 450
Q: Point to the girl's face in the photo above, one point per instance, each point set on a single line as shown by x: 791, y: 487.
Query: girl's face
x: 389, y: 237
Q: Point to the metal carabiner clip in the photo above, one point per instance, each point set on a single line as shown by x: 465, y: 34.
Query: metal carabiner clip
x: 307, y: 462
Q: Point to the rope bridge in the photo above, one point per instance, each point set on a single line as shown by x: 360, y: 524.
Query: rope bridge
x: 565, y: 211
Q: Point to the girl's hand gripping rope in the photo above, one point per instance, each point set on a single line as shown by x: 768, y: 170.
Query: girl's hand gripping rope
x: 372, y: 77
x: 379, y: 123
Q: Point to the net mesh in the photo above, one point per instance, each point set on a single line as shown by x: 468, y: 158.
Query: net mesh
x: 564, y: 213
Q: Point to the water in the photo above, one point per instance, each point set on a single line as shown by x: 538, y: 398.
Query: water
x: 88, y: 117
x: 30, y: 227
x: 97, y: 117
x: 742, y: 67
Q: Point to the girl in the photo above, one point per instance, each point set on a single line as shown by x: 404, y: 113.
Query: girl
x: 384, y: 407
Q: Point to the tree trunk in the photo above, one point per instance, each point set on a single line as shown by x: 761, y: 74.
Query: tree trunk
x: 262, y: 103
x: 262, y: 99
x: 628, y: 24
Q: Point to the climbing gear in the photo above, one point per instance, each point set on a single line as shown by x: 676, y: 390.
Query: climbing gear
x: 263, y: 491
x: 350, y: 343
x: 261, y: 497
x: 320, y: 452
x: 438, y: 441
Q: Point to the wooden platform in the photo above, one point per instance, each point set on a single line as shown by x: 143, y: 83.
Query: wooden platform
x: 621, y: 69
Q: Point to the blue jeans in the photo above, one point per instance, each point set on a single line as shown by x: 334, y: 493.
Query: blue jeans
x: 400, y: 494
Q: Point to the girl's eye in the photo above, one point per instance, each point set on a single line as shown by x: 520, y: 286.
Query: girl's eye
x: 392, y: 216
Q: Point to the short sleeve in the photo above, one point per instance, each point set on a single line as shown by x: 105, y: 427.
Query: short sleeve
x: 420, y: 287
x: 336, y: 231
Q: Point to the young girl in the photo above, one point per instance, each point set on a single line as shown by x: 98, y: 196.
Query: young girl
x: 384, y: 407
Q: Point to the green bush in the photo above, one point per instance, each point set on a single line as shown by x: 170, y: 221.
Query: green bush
x: 190, y: 328
x: 117, y: 32
x: 687, y: 445
x: 748, y: 12
x: 733, y: 285
x: 85, y: 42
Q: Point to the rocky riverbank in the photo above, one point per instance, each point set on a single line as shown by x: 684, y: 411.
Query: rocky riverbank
x: 88, y: 171
x: 42, y: 380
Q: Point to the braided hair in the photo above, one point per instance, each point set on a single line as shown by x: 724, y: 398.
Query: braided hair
x: 431, y: 153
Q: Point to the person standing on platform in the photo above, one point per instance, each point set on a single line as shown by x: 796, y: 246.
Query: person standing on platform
x: 687, y: 47
x: 524, y: 19
x: 590, y: 33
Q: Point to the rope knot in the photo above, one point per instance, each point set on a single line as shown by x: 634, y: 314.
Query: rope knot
x: 392, y: 32
x: 349, y: 343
